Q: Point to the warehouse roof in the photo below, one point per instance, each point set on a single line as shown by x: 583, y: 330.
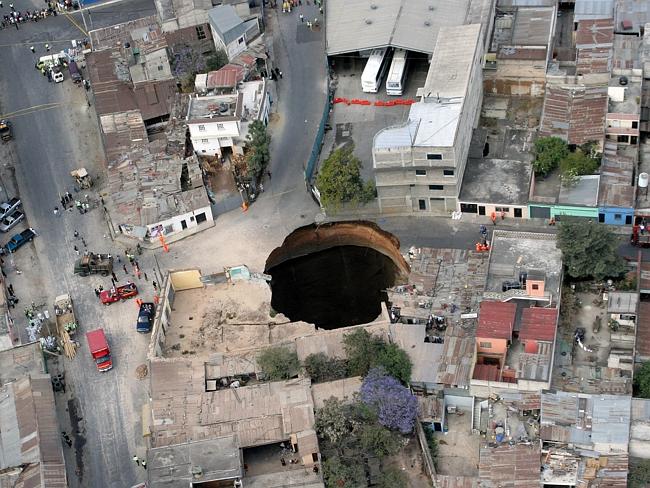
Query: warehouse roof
x: 359, y: 25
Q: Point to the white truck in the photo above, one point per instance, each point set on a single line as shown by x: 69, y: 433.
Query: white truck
x: 65, y: 318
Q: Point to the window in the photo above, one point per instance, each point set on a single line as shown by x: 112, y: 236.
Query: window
x: 502, y: 209
x: 535, y: 286
x: 201, y: 128
x: 160, y: 68
x: 200, y: 218
x: 220, y: 127
x: 618, y: 216
x: 635, y: 124
x: 436, y: 187
x: 422, y: 204
x: 448, y: 172
x: 240, y: 40
x: 169, y: 229
x: 485, y: 345
x: 431, y: 156
x: 205, y: 141
x: 200, y: 33
x: 420, y: 172
x: 518, y: 213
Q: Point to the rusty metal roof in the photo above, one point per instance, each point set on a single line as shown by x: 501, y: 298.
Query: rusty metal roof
x: 643, y: 326
x: 574, y: 113
x: 227, y: 77
x: 538, y: 324
x: 617, y: 187
x: 594, y: 41
x: 496, y: 320
x: 506, y: 466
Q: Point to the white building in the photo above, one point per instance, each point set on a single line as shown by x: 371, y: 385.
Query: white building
x: 220, y: 122
x: 419, y: 165
x: 229, y: 32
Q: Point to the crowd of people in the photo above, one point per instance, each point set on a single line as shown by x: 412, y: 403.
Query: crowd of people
x: 14, y: 17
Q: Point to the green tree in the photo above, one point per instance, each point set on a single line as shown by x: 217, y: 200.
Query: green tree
x: 642, y: 381
x: 320, y: 367
x: 332, y: 421
x: 432, y: 443
x: 548, y: 151
x: 579, y: 163
x: 639, y: 474
x: 339, y: 180
x: 341, y: 473
x: 393, y: 477
x: 362, y: 349
x: 258, y: 155
x: 279, y: 363
x: 216, y: 60
x: 379, y: 440
x: 395, y: 361
x: 366, y: 351
x: 589, y: 250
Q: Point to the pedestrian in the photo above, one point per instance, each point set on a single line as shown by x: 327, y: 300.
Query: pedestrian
x: 503, y: 215
x: 96, y: 292
x: 124, y: 268
x: 302, y: 18
x: 155, y: 285
x: 76, y: 234
x: 283, y: 462
x: 320, y: 9
x: 146, y: 278
x: 144, y: 464
x: 56, y: 211
x: 47, y: 47
x: 119, y: 259
x: 67, y: 439
x: 32, y: 48
x: 493, y: 217
x: 83, y: 241
x: 1, y: 6
x: 114, y: 276
x: 101, y: 288
x: 11, y: 6
x: 11, y: 289
x: 113, y: 282
x: 76, y: 249
x: 136, y: 460
x: 63, y: 202
x: 269, y: 174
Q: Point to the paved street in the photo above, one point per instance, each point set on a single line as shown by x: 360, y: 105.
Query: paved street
x: 57, y: 135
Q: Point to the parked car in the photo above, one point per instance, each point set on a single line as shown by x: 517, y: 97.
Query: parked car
x: 7, y: 207
x: 145, y: 317
x: 11, y: 220
x: 19, y: 240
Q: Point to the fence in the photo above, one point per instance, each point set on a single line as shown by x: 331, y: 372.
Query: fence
x: 320, y: 134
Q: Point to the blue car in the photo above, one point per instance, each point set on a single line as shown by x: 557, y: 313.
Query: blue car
x: 145, y: 317
x: 19, y: 240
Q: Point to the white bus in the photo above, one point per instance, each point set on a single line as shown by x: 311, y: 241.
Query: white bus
x: 375, y: 69
x: 397, y: 73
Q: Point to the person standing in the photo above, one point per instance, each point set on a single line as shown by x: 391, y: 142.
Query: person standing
x: 302, y: 18
x: 136, y: 460
x: 33, y: 49
x: 144, y: 464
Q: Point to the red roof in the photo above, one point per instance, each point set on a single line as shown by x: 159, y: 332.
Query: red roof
x: 538, y: 324
x: 226, y: 77
x: 486, y: 372
x: 496, y: 320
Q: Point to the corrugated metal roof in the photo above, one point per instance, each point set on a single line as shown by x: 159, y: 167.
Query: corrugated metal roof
x: 506, y: 466
x: 617, y: 187
x: 227, y: 24
x: 359, y: 25
x: 594, y: 41
x: 533, y: 25
x: 538, y: 324
x: 496, y: 320
x: 593, y: 9
x: 643, y: 324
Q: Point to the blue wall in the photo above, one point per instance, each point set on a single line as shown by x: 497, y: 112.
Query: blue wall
x: 608, y: 215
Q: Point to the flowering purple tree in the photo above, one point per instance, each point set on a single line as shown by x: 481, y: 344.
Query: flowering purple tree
x: 395, y: 405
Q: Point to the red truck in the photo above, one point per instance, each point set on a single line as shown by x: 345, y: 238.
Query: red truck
x: 120, y: 293
x: 99, y: 350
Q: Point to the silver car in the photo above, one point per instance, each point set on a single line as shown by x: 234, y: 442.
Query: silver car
x: 11, y: 220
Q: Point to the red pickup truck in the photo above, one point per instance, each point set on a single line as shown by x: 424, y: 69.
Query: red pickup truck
x: 99, y: 350
x: 120, y: 293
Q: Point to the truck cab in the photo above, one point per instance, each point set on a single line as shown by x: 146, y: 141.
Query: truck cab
x: 93, y: 263
x: 99, y: 349
x: 19, y: 240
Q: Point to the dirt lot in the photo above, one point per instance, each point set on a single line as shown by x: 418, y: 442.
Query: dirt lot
x: 227, y: 318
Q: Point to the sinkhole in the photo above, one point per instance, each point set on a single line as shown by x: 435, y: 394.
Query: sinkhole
x: 334, y: 275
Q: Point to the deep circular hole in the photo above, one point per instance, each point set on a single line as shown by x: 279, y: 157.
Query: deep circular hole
x: 333, y: 288
x: 334, y: 275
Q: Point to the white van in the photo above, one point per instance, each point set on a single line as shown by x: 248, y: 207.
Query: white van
x: 375, y: 69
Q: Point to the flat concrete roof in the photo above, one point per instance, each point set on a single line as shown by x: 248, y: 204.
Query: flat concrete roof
x: 215, y: 108
x: 498, y: 181
x: 523, y: 251
x: 451, y: 64
x: 359, y: 25
x: 584, y: 193
x: 533, y: 25
x: 175, y: 466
